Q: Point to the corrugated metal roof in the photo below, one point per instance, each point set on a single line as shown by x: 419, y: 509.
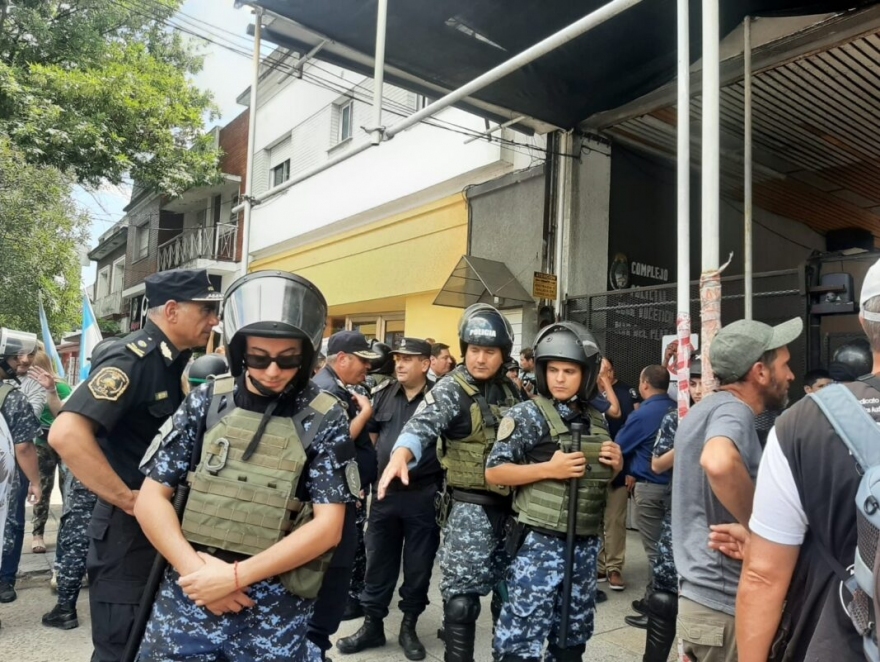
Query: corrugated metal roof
x: 816, y: 137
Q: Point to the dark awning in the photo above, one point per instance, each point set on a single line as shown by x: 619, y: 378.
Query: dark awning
x: 447, y: 43
x: 477, y: 280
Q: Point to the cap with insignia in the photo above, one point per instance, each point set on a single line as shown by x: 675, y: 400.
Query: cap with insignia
x: 412, y: 347
x: 180, y: 285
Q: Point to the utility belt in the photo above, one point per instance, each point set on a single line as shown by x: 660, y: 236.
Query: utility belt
x: 481, y: 498
x: 222, y: 554
x: 498, y: 508
x: 417, y: 483
x: 518, y: 531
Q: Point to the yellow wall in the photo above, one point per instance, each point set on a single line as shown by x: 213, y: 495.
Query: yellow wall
x: 398, y: 263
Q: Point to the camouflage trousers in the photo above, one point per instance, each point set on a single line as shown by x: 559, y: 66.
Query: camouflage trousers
x: 534, y: 583
x: 472, y: 557
x: 273, y: 630
x: 665, y: 574
x: 359, y: 565
x: 73, y: 543
x: 49, y: 461
x: 13, y: 539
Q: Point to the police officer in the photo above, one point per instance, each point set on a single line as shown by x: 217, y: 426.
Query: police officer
x: 533, y: 455
x: 246, y: 564
x: 404, y: 523
x: 464, y: 410
x: 72, y: 544
x: 108, y: 423
x: 349, y: 359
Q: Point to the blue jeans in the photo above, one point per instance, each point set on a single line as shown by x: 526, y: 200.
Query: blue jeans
x: 14, y: 536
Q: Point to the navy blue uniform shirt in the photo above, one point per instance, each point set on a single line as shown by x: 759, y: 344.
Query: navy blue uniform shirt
x: 636, y: 437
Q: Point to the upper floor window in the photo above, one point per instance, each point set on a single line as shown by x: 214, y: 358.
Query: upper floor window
x: 143, y: 241
x: 346, y: 114
x: 281, y: 173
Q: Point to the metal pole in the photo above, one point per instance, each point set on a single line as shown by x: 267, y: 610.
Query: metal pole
x: 563, y: 198
x: 710, y: 279
x: 543, y: 47
x: 747, y: 157
x: 683, y: 318
x: 252, y: 129
x: 377, y: 129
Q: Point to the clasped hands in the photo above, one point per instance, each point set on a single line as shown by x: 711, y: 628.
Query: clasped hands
x: 214, y: 586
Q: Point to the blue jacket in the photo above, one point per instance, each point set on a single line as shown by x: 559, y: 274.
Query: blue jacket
x: 636, y: 437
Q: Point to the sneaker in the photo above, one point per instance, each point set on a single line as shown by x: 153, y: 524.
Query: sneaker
x: 7, y: 592
x: 601, y: 577
x: 615, y: 581
x: 61, y: 617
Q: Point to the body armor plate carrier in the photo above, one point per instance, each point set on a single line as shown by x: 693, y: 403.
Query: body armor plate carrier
x: 544, y: 505
x: 245, y: 507
x: 465, y: 459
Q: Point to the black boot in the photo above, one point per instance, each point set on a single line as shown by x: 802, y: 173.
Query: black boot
x: 409, y: 639
x: 570, y: 654
x: 370, y: 635
x: 61, y: 617
x: 662, y: 612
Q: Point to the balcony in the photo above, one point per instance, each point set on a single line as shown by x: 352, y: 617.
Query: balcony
x: 192, y: 246
x: 109, y: 305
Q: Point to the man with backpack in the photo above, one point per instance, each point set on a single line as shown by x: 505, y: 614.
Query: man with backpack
x: 806, y: 519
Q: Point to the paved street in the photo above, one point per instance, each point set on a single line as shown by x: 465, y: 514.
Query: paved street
x: 24, y: 639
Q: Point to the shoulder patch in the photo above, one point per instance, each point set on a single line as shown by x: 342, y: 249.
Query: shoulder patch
x: 506, y: 428
x: 156, y: 444
x: 109, y: 384
x: 429, y: 400
x: 136, y: 349
x: 381, y: 387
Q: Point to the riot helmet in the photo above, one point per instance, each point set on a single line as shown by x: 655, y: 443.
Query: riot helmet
x: 12, y: 344
x: 273, y: 304
x: 206, y: 368
x: 851, y: 361
x: 384, y: 364
x: 571, y: 342
x: 484, y: 326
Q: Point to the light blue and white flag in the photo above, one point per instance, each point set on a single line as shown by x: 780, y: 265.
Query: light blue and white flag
x: 91, y: 336
x: 51, y: 350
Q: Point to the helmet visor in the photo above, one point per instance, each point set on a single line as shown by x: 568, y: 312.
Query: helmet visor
x: 14, y: 343
x: 275, y: 305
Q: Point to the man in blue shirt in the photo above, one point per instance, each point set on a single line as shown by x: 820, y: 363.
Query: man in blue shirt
x: 636, y: 440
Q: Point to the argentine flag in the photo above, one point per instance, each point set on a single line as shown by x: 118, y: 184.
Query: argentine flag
x: 49, y: 343
x: 91, y: 336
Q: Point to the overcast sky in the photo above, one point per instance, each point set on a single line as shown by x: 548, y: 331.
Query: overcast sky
x: 225, y: 74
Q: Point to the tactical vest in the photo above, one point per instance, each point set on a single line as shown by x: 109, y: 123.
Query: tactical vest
x: 544, y: 505
x: 5, y: 390
x: 465, y: 459
x: 245, y: 507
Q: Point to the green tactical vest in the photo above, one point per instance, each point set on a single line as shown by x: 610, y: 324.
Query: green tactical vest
x: 544, y: 505
x: 465, y: 459
x: 245, y: 507
x: 5, y: 390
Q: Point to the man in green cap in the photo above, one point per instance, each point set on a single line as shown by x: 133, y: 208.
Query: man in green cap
x: 717, y: 453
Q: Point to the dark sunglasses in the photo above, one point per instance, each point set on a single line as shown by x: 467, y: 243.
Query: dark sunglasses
x: 263, y: 361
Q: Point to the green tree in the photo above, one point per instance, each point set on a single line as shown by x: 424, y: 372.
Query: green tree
x: 101, y: 89
x: 40, y: 233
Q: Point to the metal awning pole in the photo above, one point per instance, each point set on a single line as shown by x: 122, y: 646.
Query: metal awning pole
x: 377, y: 129
x: 252, y: 129
x: 747, y: 157
x: 543, y: 47
x: 563, y: 218
x: 710, y: 279
x: 683, y: 318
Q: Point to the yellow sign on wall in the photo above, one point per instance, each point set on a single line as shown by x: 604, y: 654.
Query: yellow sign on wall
x: 544, y: 286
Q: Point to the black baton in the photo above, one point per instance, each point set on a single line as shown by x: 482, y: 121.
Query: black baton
x: 576, y: 430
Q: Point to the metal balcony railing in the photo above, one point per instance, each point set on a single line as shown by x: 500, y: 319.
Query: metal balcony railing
x: 209, y: 243
x: 109, y: 305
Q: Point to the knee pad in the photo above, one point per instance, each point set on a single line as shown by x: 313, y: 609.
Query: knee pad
x: 570, y: 654
x: 462, y: 609
x: 662, y: 604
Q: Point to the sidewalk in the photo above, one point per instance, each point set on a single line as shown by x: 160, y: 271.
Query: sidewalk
x: 36, y: 569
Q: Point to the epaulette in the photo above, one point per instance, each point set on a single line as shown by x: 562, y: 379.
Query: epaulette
x: 141, y: 346
x: 381, y: 387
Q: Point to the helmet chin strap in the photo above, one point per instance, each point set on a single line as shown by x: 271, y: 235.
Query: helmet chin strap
x: 267, y: 392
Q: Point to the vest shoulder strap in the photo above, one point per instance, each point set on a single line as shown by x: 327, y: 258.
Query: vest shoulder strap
x: 474, y: 394
x: 319, y: 407
x: 470, y: 389
x: 219, y: 399
x: 554, y: 420
x: 852, y: 423
x: 871, y: 380
x: 598, y: 425
x: 5, y: 390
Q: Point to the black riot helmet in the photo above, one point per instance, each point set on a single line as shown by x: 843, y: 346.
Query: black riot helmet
x: 384, y: 364
x: 12, y: 344
x: 572, y: 342
x: 206, y: 368
x: 851, y: 361
x: 273, y: 304
x: 484, y: 326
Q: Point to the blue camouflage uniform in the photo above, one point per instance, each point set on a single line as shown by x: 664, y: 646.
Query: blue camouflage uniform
x: 72, y: 548
x: 534, y: 581
x: 665, y: 575
x: 472, y: 557
x: 23, y: 427
x: 274, y: 629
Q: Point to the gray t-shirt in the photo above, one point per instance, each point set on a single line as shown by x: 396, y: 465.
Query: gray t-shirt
x: 708, y: 577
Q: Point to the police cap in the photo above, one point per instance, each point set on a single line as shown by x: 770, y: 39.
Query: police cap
x: 180, y: 285
x: 412, y: 347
